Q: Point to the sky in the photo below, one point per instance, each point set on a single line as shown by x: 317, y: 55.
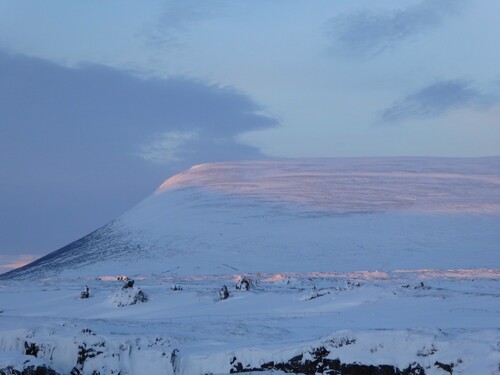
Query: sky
x: 102, y: 100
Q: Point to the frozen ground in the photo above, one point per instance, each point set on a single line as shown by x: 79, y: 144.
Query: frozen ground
x: 389, y: 318
x: 403, y: 253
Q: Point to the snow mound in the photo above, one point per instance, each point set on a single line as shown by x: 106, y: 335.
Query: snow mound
x: 129, y: 296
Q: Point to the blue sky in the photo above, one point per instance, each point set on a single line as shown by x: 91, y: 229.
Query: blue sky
x: 103, y: 100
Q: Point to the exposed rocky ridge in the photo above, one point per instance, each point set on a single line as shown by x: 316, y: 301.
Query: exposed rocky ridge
x: 84, y: 353
x: 29, y: 370
x: 317, y: 360
x: 314, y: 361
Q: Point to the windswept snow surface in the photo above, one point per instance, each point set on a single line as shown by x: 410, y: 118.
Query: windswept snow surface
x: 404, y: 255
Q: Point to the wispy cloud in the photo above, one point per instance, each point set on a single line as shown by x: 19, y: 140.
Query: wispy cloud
x: 436, y: 99
x: 176, y: 18
x: 367, y: 33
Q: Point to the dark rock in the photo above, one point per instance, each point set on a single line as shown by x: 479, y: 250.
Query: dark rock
x: 31, y: 348
x: 39, y: 370
x: 444, y: 366
x: 341, y: 341
x: 10, y: 371
x: 129, y: 283
x: 351, y: 285
x: 320, y: 364
x: 424, y: 352
x: 29, y: 370
x: 173, y: 360
x: 315, y: 293
x: 223, y: 293
x: 85, y: 293
x: 421, y: 286
x: 140, y: 296
x: 413, y: 369
x: 85, y: 353
x: 243, y: 284
x: 88, y: 331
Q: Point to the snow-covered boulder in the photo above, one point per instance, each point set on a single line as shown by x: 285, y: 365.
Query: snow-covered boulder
x: 129, y: 296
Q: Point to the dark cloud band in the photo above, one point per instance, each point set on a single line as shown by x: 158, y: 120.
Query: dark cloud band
x: 70, y: 137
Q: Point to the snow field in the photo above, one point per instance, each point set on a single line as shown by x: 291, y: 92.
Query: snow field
x: 393, y: 319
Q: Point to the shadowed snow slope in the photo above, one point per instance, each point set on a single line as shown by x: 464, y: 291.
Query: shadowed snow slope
x: 305, y: 215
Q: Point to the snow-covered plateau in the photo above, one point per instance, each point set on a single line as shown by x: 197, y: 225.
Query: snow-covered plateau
x: 353, y: 266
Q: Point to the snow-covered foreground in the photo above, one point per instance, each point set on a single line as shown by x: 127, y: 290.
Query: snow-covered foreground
x: 389, y: 263
x: 398, y: 318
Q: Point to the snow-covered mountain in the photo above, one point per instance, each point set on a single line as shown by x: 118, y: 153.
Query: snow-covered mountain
x: 354, y: 266
x: 299, y: 216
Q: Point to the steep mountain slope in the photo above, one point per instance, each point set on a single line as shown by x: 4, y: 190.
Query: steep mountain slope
x: 299, y: 216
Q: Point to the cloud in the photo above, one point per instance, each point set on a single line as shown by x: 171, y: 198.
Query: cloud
x: 367, y: 33
x: 176, y: 18
x: 436, y: 99
x: 79, y: 146
x: 166, y: 147
x: 100, y: 108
